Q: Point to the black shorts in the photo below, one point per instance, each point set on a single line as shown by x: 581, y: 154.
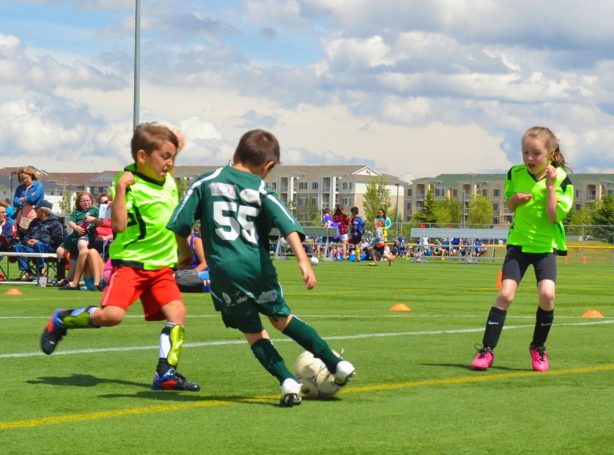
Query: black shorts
x: 516, y: 264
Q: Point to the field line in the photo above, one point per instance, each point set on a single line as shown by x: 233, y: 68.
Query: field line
x: 475, y: 378
x: 287, y: 340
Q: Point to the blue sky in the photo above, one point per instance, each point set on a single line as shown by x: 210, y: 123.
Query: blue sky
x: 412, y: 88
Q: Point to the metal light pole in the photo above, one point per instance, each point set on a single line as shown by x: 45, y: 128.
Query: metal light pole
x: 137, y: 64
x: 396, y: 226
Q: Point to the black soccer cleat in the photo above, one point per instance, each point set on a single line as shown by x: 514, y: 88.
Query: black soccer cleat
x: 53, y: 333
x: 171, y: 380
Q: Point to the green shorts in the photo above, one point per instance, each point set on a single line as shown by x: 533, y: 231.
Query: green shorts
x: 241, y: 310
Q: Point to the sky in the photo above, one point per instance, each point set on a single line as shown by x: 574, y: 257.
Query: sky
x: 411, y: 88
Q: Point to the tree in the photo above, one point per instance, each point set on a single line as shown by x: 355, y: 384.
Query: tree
x: 480, y: 210
x: 578, y: 219
x: 427, y: 214
x: 603, y: 219
x: 65, y: 203
x: 377, y: 197
x: 447, y: 211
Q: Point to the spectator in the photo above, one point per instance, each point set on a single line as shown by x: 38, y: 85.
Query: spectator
x: 10, y: 210
x: 356, y: 231
x: 343, y: 226
x: 43, y: 236
x: 81, y: 223
x: 6, y: 235
x: 381, y: 215
x: 29, y: 192
x: 379, y: 249
x: 89, y: 263
x: 102, y: 235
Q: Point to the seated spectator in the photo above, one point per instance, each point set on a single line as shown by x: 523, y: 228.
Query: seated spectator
x: 480, y: 248
x: 102, y: 235
x: 379, y: 249
x: 90, y: 265
x: 43, y: 235
x: 82, y: 229
x: 6, y: 235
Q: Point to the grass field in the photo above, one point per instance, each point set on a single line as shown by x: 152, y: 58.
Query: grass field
x: 414, y: 391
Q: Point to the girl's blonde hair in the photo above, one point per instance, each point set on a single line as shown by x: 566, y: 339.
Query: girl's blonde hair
x: 26, y: 170
x: 551, y: 143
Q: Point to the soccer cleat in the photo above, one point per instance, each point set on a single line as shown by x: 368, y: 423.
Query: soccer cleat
x: 171, y: 380
x: 539, y: 358
x: 53, y: 333
x: 483, y: 359
x: 290, y: 393
x: 344, y: 372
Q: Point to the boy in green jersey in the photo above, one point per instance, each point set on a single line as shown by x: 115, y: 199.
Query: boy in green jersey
x: 236, y: 214
x: 143, y: 254
x: 540, y: 194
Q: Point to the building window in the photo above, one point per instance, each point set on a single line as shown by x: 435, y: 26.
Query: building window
x: 346, y: 201
x: 303, y: 185
x: 271, y: 186
x: 314, y: 185
x: 409, y: 206
x: 409, y: 191
x: 578, y: 193
x: 455, y: 193
x: 346, y: 186
x: 496, y: 192
x: 485, y: 192
x: 578, y: 206
x: 440, y: 192
x: 301, y: 201
x: 495, y: 207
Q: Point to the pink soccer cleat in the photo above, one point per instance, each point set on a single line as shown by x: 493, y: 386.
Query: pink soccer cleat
x: 483, y: 359
x: 539, y: 358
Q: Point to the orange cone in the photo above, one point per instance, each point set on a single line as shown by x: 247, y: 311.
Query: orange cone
x: 401, y: 307
x: 499, y: 278
x: 584, y: 260
x: 592, y: 314
x: 13, y: 291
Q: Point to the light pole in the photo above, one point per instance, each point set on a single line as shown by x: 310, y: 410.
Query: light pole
x: 396, y: 225
x: 137, y: 64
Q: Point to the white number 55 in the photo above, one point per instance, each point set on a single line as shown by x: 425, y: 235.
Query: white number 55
x: 233, y: 220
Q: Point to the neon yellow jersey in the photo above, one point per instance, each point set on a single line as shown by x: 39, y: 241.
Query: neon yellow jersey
x: 146, y: 243
x: 532, y: 229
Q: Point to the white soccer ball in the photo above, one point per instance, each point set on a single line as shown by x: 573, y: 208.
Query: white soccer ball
x: 316, y: 380
x: 314, y: 261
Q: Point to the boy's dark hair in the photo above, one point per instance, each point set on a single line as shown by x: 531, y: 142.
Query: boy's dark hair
x: 354, y: 211
x: 257, y: 147
x: 150, y: 137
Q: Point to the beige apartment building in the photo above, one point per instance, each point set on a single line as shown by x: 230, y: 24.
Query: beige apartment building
x: 588, y: 188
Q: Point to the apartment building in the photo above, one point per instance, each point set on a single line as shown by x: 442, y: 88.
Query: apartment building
x: 588, y: 189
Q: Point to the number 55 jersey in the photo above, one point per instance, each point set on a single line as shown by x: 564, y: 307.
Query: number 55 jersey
x: 236, y: 214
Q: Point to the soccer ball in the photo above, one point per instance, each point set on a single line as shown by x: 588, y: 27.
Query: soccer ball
x: 314, y: 260
x: 316, y: 380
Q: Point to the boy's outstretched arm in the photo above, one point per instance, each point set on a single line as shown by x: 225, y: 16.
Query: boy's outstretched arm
x: 309, y: 277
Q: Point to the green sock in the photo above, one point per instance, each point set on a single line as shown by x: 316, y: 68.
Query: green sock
x: 270, y: 359
x: 78, y: 319
x: 309, y: 339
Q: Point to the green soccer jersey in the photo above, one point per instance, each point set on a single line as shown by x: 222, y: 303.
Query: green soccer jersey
x: 532, y: 229
x: 237, y: 213
x: 146, y: 243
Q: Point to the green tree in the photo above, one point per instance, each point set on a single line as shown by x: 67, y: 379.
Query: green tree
x: 65, y: 203
x: 578, y: 219
x: 377, y: 197
x: 480, y: 211
x: 427, y: 214
x: 603, y: 219
x: 447, y: 211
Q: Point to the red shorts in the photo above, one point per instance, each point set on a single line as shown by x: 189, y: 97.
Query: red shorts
x: 155, y: 288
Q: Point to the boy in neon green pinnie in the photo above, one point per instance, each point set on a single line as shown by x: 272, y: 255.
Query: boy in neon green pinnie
x: 143, y: 254
x: 237, y: 213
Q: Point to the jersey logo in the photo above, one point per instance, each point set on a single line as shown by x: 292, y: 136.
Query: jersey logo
x: 250, y: 196
x: 223, y: 189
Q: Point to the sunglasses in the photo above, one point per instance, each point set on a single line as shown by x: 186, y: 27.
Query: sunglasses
x: 104, y: 202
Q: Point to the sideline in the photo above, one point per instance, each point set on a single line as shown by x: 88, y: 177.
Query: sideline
x: 478, y: 377
x: 20, y: 355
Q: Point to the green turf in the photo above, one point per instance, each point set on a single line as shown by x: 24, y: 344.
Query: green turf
x: 413, y: 393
